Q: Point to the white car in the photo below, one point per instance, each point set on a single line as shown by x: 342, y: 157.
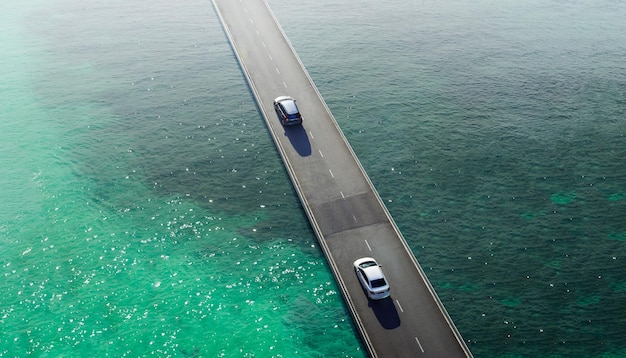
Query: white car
x: 372, y: 278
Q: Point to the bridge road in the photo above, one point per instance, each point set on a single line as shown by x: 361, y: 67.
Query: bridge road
x: 344, y: 209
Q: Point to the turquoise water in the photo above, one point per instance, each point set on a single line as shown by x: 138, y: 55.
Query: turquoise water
x: 145, y: 210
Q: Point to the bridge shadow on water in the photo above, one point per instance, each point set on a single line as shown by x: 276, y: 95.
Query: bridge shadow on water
x: 299, y: 139
x: 386, y: 313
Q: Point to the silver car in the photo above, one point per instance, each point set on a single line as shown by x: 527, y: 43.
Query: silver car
x: 372, y: 278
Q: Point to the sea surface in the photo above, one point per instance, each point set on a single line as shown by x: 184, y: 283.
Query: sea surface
x: 144, y: 210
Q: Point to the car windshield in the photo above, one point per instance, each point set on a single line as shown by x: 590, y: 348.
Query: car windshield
x: 379, y: 282
x: 368, y: 264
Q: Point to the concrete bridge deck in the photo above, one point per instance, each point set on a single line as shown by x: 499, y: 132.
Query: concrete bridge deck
x: 343, y: 207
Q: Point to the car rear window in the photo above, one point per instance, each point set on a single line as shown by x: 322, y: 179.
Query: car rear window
x: 378, y: 282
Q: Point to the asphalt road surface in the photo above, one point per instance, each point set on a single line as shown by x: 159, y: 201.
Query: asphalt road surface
x: 344, y: 209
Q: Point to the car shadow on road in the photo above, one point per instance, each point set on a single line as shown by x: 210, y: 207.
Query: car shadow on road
x: 386, y: 313
x: 299, y: 139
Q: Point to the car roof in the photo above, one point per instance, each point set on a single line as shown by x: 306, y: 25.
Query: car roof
x: 290, y: 105
x: 373, y: 272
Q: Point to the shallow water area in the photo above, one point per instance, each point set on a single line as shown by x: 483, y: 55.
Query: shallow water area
x: 122, y: 223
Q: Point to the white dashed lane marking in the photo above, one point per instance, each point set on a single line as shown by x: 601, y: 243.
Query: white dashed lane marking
x: 419, y: 344
x: 399, y: 306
